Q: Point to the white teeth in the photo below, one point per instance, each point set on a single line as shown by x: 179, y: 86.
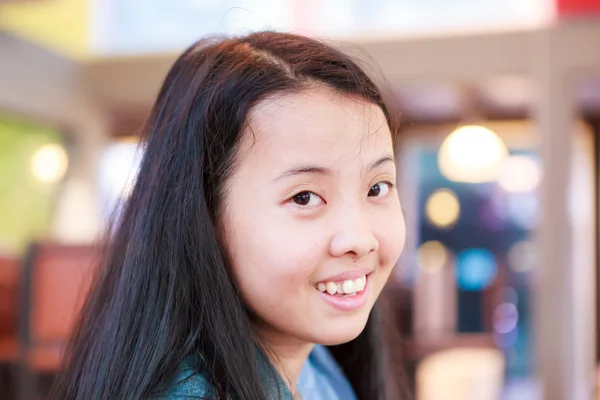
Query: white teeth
x: 349, y: 287
x: 361, y: 283
x: 331, y: 287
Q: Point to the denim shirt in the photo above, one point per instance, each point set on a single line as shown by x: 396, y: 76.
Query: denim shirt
x: 320, y: 379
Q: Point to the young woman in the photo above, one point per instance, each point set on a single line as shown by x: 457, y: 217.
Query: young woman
x: 263, y: 226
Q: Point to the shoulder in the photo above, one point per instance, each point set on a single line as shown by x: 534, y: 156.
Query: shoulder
x: 322, y: 377
x: 188, y: 384
x: 321, y: 357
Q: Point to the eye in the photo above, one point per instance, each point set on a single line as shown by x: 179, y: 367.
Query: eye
x: 380, y: 189
x: 307, y: 199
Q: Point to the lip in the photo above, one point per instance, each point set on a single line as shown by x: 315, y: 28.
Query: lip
x: 348, y: 275
x: 350, y: 303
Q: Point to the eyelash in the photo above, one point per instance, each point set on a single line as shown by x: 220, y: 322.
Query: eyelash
x: 307, y: 207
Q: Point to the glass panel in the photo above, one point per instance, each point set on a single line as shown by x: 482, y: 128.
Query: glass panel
x: 475, y: 254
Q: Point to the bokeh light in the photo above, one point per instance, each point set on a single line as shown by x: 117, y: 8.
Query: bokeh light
x: 522, y: 256
x: 505, y: 321
x: 432, y: 256
x: 442, y: 208
x: 506, y: 318
x: 475, y: 269
x: 49, y: 163
x: 472, y: 154
x: 519, y: 173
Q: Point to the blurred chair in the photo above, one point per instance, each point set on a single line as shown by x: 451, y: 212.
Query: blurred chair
x: 461, y: 374
x: 55, y: 281
x: 9, y: 283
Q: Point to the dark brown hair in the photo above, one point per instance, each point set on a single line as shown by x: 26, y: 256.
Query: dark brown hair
x: 165, y: 290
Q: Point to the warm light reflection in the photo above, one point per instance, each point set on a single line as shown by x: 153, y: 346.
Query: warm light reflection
x: 442, y: 208
x: 432, y: 256
x: 49, y: 163
x: 472, y: 154
x: 519, y: 173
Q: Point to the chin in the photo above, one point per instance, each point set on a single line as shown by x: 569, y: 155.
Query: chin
x: 340, y: 332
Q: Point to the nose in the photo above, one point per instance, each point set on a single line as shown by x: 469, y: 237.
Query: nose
x: 353, y: 235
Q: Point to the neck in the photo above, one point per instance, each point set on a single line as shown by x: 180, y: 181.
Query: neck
x: 287, y: 355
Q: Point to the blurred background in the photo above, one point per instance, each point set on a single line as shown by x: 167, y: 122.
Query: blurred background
x: 496, y: 294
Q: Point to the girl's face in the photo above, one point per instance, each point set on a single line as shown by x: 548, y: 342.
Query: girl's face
x: 312, y: 221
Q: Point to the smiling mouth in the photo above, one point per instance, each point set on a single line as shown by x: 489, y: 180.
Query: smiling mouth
x: 345, y: 288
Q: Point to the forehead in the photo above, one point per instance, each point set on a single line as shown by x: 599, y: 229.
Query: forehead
x: 314, y: 125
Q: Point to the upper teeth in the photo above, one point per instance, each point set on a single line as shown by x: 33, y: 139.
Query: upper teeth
x: 349, y: 286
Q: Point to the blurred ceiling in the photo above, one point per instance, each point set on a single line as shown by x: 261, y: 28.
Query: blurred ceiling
x: 432, y: 78
x: 503, y: 97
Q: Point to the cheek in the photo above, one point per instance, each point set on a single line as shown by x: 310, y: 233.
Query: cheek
x: 272, y: 262
x: 391, y: 233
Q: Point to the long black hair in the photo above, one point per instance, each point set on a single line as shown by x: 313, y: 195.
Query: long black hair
x: 164, y: 290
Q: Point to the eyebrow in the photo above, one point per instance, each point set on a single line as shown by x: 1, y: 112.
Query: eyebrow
x: 318, y: 170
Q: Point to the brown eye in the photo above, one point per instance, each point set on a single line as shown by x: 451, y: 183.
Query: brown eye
x: 379, y: 189
x: 307, y: 199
